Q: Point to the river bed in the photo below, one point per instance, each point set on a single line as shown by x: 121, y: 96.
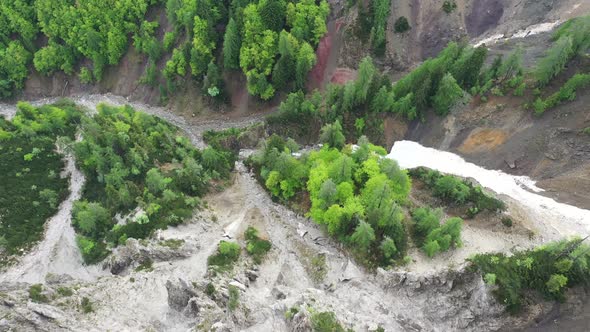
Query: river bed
x: 554, y: 220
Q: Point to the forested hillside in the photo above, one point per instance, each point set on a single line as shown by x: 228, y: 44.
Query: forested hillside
x: 272, y: 42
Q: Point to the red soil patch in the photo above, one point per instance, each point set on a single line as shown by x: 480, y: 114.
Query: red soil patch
x: 343, y: 75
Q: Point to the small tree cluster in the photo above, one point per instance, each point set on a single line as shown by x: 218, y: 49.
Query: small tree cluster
x: 432, y: 236
x: 356, y: 194
x: 549, y: 269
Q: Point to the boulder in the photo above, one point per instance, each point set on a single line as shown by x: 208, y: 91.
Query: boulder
x: 179, y: 294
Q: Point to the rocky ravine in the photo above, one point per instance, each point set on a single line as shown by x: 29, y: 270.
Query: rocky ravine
x: 172, y: 296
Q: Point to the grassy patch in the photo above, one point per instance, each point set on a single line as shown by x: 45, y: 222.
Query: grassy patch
x: 234, y: 297
x: 289, y: 314
x: 172, y: 243
x: 256, y: 247
x: 31, y: 188
x: 65, y: 291
x: 147, y: 266
x: 318, y: 268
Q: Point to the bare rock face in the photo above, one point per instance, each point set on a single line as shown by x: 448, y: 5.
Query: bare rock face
x: 459, y: 296
x: 180, y: 294
x: 301, y: 322
x: 134, y: 252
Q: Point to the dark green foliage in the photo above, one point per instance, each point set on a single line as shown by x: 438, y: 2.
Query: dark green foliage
x: 36, y: 294
x: 255, y: 246
x: 227, y: 254
x: 86, y: 305
x: 231, y: 46
x: 131, y: 160
x: 273, y: 14
x: 332, y: 135
x: 325, y: 322
x: 380, y: 10
x: 210, y: 290
x: 447, y: 95
x: 566, y: 93
x: 14, y: 60
x: 507, y: 221
x: 453, y: 190
x: 468, y: 66
x: 449, y: 6
x: 401, y: 25
x: 550, y: 270
x: 433, y: 236
x: 213, y: 84
x: 297, y: 117
x: 425, y: 221
x: 31, y: 187
x: 571, y: 39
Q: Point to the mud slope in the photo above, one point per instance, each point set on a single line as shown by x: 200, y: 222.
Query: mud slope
x: 432, y: 28
x: 500, y: 134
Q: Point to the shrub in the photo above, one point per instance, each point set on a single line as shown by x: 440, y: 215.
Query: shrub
x: 449, y: 6
x: 289, y: 314
x: 86, y: 305
x: 210, y: 289
x: 227, y: 254
x: 431, y: 235
x: 490, y: 279
x: 36, y: 294
x: 452, y: 189
x: 401, y: 25
x: 256, y: 247
x: 507, y: 221
x: 325, y: 322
